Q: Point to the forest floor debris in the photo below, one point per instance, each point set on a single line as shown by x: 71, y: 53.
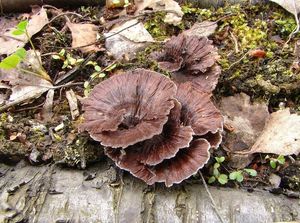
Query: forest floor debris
x: 254, y: 61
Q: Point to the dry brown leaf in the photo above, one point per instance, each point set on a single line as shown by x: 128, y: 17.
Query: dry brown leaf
x: 10, y: 43
x: 24, y: 86
x: 246, y: 119
x: 205, y: 28
x: 293, y: 6
x: 128, y: 41
x: 174, y: 12
x: 281, y: 135
x: 82, y: 35
x: 73, y: 103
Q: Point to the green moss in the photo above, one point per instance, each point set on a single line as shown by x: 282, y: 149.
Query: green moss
x: 156, y: 26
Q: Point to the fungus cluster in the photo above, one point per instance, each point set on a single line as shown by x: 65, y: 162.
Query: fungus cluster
x: 158, y: 129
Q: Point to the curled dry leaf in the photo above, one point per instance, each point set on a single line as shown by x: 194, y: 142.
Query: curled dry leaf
x: 10, y: 43
x: 246, y: 119
x: 292, y: 6
x: 24, y: 86
x: 82, y: 35
x: 245, y: 122
x: 127, y: 39
x: 202, y: 29
x: 73, y: 103
x: 174, y: 12
x: 281, y: 135
x: 150, y: 133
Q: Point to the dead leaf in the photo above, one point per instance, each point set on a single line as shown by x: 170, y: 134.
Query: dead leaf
x: 174, y: 12
x: 10, y: 43
x: 205, y: 28
x: 47, y: 113
x: 292, y: 6
x: 281, y: 135
x: 73, y: 103
x: 127, y: 39
x: 82, y: 35
x: 246, y: 119
x: 24, y: 86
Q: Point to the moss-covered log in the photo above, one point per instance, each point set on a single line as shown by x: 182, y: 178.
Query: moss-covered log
x: 51, y: 194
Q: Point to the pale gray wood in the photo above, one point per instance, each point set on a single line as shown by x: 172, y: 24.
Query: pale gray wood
x: 52, y: 194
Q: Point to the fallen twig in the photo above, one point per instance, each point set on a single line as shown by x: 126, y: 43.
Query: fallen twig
x: 214, y: 205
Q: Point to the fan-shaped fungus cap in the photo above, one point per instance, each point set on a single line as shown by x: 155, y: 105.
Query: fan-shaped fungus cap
x: 190, y: 58
x: 128, y: 108
x: 186, y: 163
x: 140, y: 159
x: 198, y: 111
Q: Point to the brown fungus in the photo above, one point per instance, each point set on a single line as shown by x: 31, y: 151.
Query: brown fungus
x: 198, y: 111
x: 190, y: 59
x: 185, y: 164
x: 128, y: 108
x: 142, y: 157
x: 157, y: 131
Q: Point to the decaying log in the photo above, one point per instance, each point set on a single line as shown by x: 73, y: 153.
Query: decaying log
x: 53, y: 194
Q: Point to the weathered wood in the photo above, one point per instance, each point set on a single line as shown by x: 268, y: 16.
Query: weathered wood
x: 52, y: 194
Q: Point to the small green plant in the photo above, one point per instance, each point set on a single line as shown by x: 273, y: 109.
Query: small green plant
x: 239, y: 174
x: 98, y: 73
x: 235, y: 175
x: 222, y: 178
x: 275, y: 161
x: 68, y: 60
x: 12, y: 61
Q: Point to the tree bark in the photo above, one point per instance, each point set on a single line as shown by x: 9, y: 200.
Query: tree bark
x: 52, y: 194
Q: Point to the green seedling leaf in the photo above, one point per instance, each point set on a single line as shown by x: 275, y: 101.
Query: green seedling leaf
x: 21, y: 28
x: 10, y: 62
x: 21, y: 53
x: 66, y: 64
x: 22, y: 25
x: 86, y: 84
x: 216, y: 165
x: 97, y: 68
x: 273, y: 164
x: 223, y: 179
x: 92, y: 63
x: 216, y: 172
x: 17, y: 32
x: 233, y: 175
x: 220, y: 159
x: 239, y: 177
x: 111, y: 67
x: 211, y: 180
x: 101, y: 75
x: 79, y: 61
x: 62, y: 52
x: 56, y: 57
x: 251, y: 172
x: 281, y: 159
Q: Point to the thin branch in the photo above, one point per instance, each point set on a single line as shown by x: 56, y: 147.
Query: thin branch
x: 64, y: 14
x: 214, y: 205
x: 239, y: 60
